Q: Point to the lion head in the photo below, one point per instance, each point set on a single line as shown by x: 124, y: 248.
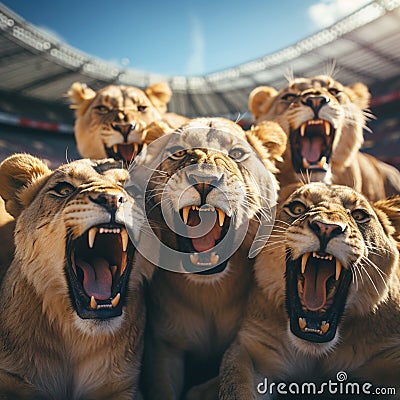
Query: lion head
x: 71, y: 236
x: 206, y: 182
x: 113, y: 121
x: 340, y: 261
x: 322, y: 118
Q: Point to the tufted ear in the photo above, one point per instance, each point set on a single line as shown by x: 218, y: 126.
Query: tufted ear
x: 391, y: 208
x: 160, y: 95
x: 269, y: 140
x: 261, y: 99
x: 359, y: 94
x: 80, y: 96
x: 21, y: 176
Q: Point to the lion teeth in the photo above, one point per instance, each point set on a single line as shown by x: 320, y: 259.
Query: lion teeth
x: 185, y: 214
x: 194, y: 258
x: 305, y: 163
x: 302, y: 323
x: 303, y: 128
x: 115, y: 300
x: 221, y: 217
x: 115, y: 148
x: 338, y: 269
x: 114, y: 269
x: 136, y: 147
x: 91, y: 236
x: 214, y: 258
x: 324, y: 327
x: 93, y: 303
x: 322, y: 162
x: 304, y: 260
x: 327, y: 126
x: 124, y: 239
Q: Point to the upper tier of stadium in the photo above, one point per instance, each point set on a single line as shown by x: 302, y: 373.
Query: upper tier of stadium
x: 365, y: 46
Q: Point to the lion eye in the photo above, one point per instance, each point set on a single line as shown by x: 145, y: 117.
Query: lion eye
x: 102, y: 109
x: 237, y: 154
x: 142, y: 108
x: 63, y: 189
x: 289, y: 97
x: 176, y: 153
x: 360, y: 216
x: 335, y: 92
x: 296, y: 208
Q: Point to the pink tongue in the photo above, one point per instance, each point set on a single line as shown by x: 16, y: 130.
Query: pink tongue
x: 311, y: 148
x: 315, y: 278
x: 97, y: 279
x: 206, y: 242
x: 126, y: 151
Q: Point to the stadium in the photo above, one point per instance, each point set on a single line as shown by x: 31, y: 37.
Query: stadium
x: 37, y: 71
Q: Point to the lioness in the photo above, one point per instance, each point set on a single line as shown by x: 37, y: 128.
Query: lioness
x: 211, y: 172
x: 72, y: 314
x: 324, y: 121
x: 327, y: 297
x: 114, y: 121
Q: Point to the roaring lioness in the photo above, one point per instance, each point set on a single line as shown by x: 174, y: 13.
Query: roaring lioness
x: 327, y: 297
x: 324, y: 121
x: 114, y: 121
x: 211, y: 172
x: 72, y: 314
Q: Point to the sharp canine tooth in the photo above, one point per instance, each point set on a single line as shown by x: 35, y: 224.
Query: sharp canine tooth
x: 303, y: 128
x: 322, y: 161
x: 325, y: 327
x: 124, y: 262
x: 193, y: 207
x: 302, y: 323
x: 115, y: 300
x: 338, y: 269
x: 91, y: 236
x: 304, y: 259
x: 114, y: 269
x: 136, y: 147
x: 194, y: 258
x: 327, y: 128
x: 124, y: 239
x: 305, y: 163
x: 221, y: 217
x: 314, y: 254
x: 214, y: 258
x: 93, y: 303
x: 185, y: 214
x: 115, y: 148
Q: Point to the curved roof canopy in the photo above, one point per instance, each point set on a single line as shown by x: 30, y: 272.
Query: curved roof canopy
x: 365, y: 46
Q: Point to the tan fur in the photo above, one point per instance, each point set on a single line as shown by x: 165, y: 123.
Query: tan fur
x: 95, y: 127
x: 193, y: 317
x: 46, y: 349
x: 7, y: 225
x: 367, y: 344
x: 346, y: 112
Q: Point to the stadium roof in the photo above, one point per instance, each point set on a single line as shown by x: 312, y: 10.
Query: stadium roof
x: 365, y: 46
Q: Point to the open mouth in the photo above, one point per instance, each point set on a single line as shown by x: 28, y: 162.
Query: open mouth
x: 316, y: 290
x: 202, y: 251
x: 98, y: 269
x: 311, y: 145
x: 124, y: 151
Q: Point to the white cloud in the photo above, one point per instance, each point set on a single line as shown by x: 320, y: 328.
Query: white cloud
x: 195, y: 64
x: 327, y: 12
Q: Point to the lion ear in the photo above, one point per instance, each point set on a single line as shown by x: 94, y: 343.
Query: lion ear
x: 160, y: 95
x: 391, y: 208
x: 269, y: 140
x: 80, y: 96
x: 261, y: 99
x: 359, y: 95
x: 21, y: 176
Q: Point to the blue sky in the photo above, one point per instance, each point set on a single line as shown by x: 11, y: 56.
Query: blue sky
x: 181, y: 37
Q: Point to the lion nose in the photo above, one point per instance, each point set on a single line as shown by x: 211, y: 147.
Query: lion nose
x: 325, y: 232
x: 110, y: 202
x: 204, y: 183
x: 124, y: 129
x: 315, y: 103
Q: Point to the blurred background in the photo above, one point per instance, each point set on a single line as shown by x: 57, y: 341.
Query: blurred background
x: 212, y: 54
